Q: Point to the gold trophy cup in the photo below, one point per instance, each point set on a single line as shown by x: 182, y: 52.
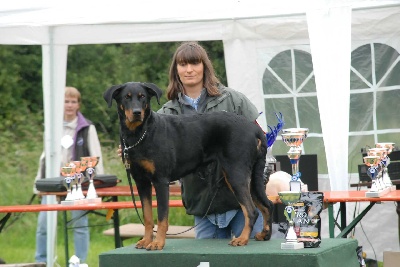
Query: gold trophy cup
x: 294, y: 137
x: 289, y: 198
x: 386, y: 161
x: 91, y: 163
x: 79, y: 179
x: 68, y: 172
x: 373, y: 171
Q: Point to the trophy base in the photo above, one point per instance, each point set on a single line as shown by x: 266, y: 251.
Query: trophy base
x: 293, y: 245
x: 80, y: 201
x: 68, y: 202
x: 96, y: 200
x: 392, y: 188
x: 377, y: 193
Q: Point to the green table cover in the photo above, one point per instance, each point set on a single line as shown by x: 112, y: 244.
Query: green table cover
x: 338, y: 252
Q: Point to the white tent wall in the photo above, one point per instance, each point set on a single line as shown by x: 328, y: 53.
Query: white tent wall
x: 330, y: 41
x: 253, y: 35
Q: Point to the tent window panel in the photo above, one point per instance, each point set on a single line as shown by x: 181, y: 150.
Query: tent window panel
x: 361, y: 62
x: 271, y: 85
x: 309, y: 114
x: 386, y: 117
x: 280, y: 66
x: 385, y: 58
x: 304, y: 72
x: 361, y: 112
x: 309, y: 85
x: 356, y: 82
x: 390, y: 138
x: 315, y: 145
x: 393, y: 76
x: 356, y: 143
x: 283, y: 105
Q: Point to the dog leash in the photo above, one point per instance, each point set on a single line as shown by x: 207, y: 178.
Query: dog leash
x: 128, y: 174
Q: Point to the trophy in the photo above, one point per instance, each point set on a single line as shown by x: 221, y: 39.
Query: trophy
x: 385, y: 162
x: 373, y: 172
x: 294, y: 137
x: 91, y: 163
x: 79, y: 179
x: 68, y: 172
x: 289, y: 198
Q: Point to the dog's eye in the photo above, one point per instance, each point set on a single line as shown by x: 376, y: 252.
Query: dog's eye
x: 140, y: 96
x: 128, y: 97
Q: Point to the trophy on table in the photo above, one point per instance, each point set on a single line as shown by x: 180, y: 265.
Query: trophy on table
x: 68, y: 172
x: 294, y: 137
x: 385, y: 162
x: 373, y: 172
x: 90, y: 164
x: 382, y: 153
x: 289, y: 198
x: 78, y: 180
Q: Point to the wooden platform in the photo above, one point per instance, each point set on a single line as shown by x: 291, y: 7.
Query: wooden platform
x: 190, y: 252
x: 137, y: 230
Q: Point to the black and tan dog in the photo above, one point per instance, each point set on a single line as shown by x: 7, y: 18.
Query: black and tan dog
x: 163, y: 148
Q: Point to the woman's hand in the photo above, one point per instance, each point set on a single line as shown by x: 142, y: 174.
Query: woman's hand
x: 119, y: 151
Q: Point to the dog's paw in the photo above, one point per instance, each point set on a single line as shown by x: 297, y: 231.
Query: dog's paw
x: 239, y: 242
x: 263, y: 236
x: 155, y: 245
x: 142, y: 244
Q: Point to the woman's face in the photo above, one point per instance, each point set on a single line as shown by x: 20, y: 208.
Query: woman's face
x: 71, y: 107
x: 191, y: 74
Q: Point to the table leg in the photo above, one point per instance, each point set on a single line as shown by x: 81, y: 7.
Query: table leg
x: 398, y: 215
x: 343, y: 216
x: 356, y: 220
x: 117, y: 235
x: 331, y: 221
x: 66, y: 237
x: 4, y: 220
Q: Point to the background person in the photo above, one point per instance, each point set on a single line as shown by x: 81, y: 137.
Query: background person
x: 79, y: 140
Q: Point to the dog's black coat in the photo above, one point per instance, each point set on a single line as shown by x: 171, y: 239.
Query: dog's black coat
x: 162, y: 148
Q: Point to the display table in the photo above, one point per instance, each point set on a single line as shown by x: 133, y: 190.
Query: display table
x: 190, y: 252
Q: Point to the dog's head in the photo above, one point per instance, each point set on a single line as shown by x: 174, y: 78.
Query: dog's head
x: 133, y: 101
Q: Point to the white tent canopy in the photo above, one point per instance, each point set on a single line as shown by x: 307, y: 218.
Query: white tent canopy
x: 253, y: 33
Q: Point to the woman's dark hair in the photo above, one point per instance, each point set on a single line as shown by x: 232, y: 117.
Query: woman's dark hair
x: 192, y: 53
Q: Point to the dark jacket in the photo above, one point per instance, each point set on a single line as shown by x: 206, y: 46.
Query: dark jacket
x: 205, y: 192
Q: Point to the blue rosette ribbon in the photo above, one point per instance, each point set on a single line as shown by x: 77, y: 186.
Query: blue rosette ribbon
x: 273, y: 133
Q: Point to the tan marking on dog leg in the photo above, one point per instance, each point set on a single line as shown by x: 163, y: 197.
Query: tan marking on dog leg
x: 148, y: 165
x: 148, y: 225
x: 243, y: 239
x: 159, y: 241
x: 262, y: 236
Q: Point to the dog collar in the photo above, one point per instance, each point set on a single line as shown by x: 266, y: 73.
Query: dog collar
x: 126, y: 149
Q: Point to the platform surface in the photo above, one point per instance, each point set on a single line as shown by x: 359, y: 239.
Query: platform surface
x: 190, y: 252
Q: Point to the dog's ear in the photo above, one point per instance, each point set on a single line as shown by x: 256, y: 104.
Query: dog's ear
x: 109, y: 95
x: 153, y: 90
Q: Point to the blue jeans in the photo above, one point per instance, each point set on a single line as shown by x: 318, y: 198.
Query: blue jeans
x: 81, y: 235
x: 230, y: 225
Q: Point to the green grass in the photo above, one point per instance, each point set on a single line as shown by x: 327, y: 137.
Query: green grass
x: 17, y: 239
